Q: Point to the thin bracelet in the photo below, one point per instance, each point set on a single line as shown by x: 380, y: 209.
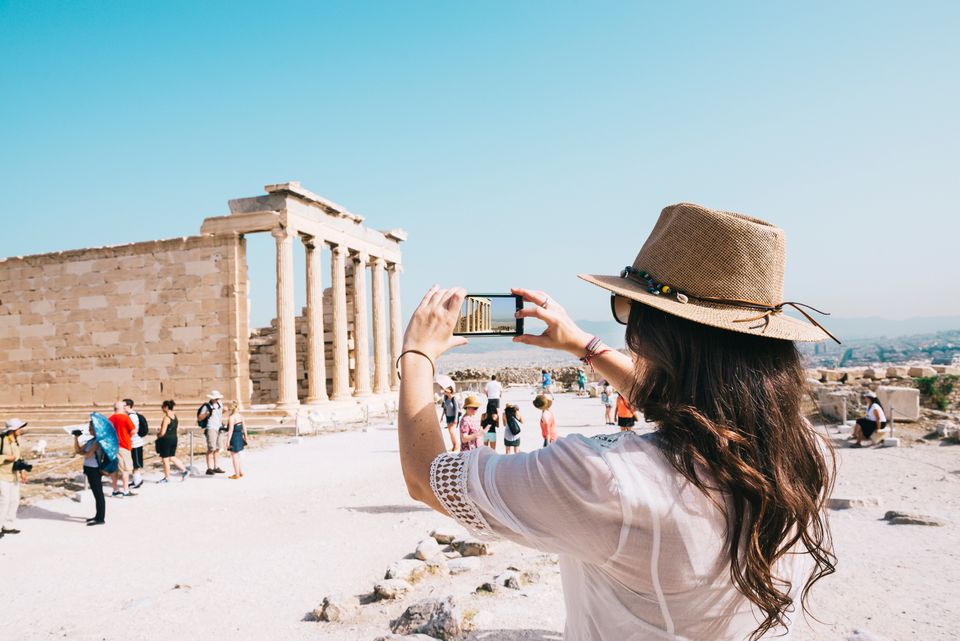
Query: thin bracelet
x: 415, y: 351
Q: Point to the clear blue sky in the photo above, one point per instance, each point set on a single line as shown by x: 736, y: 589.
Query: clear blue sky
x: 519, y: 143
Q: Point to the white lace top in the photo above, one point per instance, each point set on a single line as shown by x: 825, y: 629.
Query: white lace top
x: 641, y: 549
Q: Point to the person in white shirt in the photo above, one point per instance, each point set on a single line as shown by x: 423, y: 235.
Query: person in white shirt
x: 493, y: 390
x: 136, y: 443
x: 873, y: 421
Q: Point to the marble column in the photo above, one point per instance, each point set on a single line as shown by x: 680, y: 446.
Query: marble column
x: 286, y: 346
x: 316, y: 356
x: 396, y: 323
x: 341, y: 354
x: 381, y: 365
x: 361, y: 337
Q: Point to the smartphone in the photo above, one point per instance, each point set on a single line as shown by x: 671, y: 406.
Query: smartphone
x: 489, y: 315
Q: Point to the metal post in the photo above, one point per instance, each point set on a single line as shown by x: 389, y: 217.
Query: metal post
x: 890, y: 422
x: 191, y: 452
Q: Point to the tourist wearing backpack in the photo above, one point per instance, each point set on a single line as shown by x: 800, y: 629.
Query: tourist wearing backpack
x: 136, y: 441
x: 511, y: 436
x: 210, y: 419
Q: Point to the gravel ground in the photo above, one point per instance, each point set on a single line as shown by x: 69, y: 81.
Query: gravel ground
x: 253, y: 558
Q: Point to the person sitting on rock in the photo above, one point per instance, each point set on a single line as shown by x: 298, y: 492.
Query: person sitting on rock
x: 873, y: 421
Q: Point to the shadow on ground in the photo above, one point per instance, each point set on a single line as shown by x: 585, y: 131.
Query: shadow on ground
x: 387, y: 509
x: 35, y: 512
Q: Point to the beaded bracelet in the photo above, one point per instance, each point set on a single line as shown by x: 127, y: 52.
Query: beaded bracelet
x: 594, y: 348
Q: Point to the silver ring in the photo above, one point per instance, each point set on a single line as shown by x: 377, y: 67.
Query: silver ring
x: 546, y: 301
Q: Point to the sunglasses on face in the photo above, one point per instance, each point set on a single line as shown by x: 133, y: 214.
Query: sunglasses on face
x: 620, y: 306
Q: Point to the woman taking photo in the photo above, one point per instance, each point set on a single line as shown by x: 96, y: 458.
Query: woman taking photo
x: 711, y: 527
x: 166, y: 443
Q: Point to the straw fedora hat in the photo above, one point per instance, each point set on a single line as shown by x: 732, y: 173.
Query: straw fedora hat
x: 716, y: 268
x: 471, y: 401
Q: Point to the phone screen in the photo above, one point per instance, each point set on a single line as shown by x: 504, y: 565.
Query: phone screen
x: 489, y: 315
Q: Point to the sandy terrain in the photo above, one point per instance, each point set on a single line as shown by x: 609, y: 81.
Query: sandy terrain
x: 329, y: 514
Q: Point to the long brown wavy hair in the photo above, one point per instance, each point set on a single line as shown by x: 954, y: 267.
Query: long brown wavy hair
x: 730, y: 403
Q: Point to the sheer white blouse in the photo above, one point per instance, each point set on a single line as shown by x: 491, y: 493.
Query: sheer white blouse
x: 641, y: 549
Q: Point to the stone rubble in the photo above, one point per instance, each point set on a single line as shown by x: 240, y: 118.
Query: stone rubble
x: 438, y: 618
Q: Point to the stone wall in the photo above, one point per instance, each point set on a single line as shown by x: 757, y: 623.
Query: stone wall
x: 152, y: 320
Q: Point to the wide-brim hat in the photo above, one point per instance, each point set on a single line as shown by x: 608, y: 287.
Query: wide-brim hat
x: 13, y: 424
x: 717, y: 268
x: 214, y: 395
x: 870, y: 395
x: 471, y: 401
x: 541, y: 402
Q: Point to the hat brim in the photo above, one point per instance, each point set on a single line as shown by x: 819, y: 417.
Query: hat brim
x: 777, y: 326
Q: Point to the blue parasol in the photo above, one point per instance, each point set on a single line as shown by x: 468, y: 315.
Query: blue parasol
x: 107, y: 439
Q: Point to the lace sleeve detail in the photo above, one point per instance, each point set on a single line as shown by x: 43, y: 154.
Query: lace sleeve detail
x: 448, y: 480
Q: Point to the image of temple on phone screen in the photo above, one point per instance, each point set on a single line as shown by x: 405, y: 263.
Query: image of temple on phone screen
x: 487, y: 315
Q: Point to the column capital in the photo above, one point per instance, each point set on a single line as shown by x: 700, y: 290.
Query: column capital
x: 361, y: 257
x: 311, y: 242
x: 339, y: 250
x: 378, y: 261
x: 281, y: 232
x: 395, y: 267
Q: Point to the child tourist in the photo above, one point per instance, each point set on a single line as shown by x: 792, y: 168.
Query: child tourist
x: 606, y: 397
x: 489, y: 422
x: 548, y: 424
x: 469, y: 426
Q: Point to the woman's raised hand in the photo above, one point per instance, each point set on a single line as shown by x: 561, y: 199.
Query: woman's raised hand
x: 431, y: 327
x: 561, y: 333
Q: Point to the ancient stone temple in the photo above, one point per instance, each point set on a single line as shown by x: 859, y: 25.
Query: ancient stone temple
x: 170, y: 318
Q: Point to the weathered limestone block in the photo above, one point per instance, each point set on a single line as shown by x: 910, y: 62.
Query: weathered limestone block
x: 921, y: 372
x: 874, y: 373
x: 947, y: 369
x: 830, y: 375
x: 897, y: 371
x: 905, y: 402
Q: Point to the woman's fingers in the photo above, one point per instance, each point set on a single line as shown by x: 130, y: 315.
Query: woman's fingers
x: 535, y: 312
x: 537, y: 340
x: 436, y: 295
x: 531, y: 296
x: 453, y: 298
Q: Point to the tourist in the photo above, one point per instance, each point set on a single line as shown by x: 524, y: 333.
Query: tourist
x: 489, y: 422
x: 874, y: 420
x: 450, y: 406
x: 166, y: 443
x: 627, y: 415
x: 11, y: 475
x: 125, y: 430
x: 136, y: 441
x: 210, y: 419
x: 493, y: 391
x: 469, y: 426
x: 606, y: 398
x: 238, y: 438
x: 546, y: 382
x: 710, y: 527
x: 511, y: 434
x: 91, y: 469
x: 548, y: 423
x: 581, y: 382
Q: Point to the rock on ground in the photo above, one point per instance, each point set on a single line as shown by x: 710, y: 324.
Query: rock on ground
x: 427, y: 549
x: 472, y: 547
x: 438, y: 618
x: 902, y: 518
x: 336, y: 609
x: 447, y: 535
x: 392, y: 589
x: 407, y: 569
